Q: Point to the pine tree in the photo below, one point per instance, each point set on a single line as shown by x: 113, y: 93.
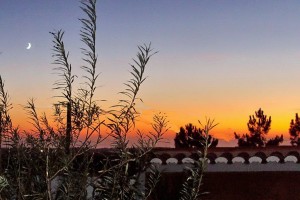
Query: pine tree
x: 192, y: 137
x: 258, y: 126
x: 295, y: 131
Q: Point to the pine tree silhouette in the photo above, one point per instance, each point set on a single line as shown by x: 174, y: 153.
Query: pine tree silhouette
x: 258, y: 125
x: 295, y: 131
x: 192, y: 137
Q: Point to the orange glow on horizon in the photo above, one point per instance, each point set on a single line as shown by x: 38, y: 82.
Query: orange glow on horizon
x: 228, y: 122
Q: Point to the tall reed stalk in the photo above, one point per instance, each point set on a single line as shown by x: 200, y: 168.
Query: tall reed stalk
x: 56, y: 160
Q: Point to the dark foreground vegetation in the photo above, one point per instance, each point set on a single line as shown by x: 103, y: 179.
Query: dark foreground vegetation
x: 55, y: 160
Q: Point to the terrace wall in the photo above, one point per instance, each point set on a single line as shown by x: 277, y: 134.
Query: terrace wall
x: 234, y: 173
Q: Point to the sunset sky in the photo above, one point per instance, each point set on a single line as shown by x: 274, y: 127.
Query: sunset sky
x: 218, y: 59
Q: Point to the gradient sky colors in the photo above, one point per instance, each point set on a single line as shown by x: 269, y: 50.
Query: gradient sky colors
x: 220, y: 59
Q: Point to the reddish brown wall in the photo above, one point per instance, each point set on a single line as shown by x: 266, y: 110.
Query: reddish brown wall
x: 236, y: 186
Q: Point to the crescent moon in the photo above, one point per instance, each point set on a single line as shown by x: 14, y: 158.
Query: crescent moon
x: 29, y: 46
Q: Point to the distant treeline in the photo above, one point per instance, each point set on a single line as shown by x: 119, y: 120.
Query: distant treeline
x: 258, y: 125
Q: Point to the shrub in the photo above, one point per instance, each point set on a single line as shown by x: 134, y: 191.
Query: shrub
x: 57, y: 160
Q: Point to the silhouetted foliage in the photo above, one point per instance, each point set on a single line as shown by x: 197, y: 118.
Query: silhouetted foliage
x: 191, y: 189
x: 53, y: 160
x: 56, y: 160
x: 275, y: 141
x: 295, y: 131
x: 258, y: 125
x: 193, y: 137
